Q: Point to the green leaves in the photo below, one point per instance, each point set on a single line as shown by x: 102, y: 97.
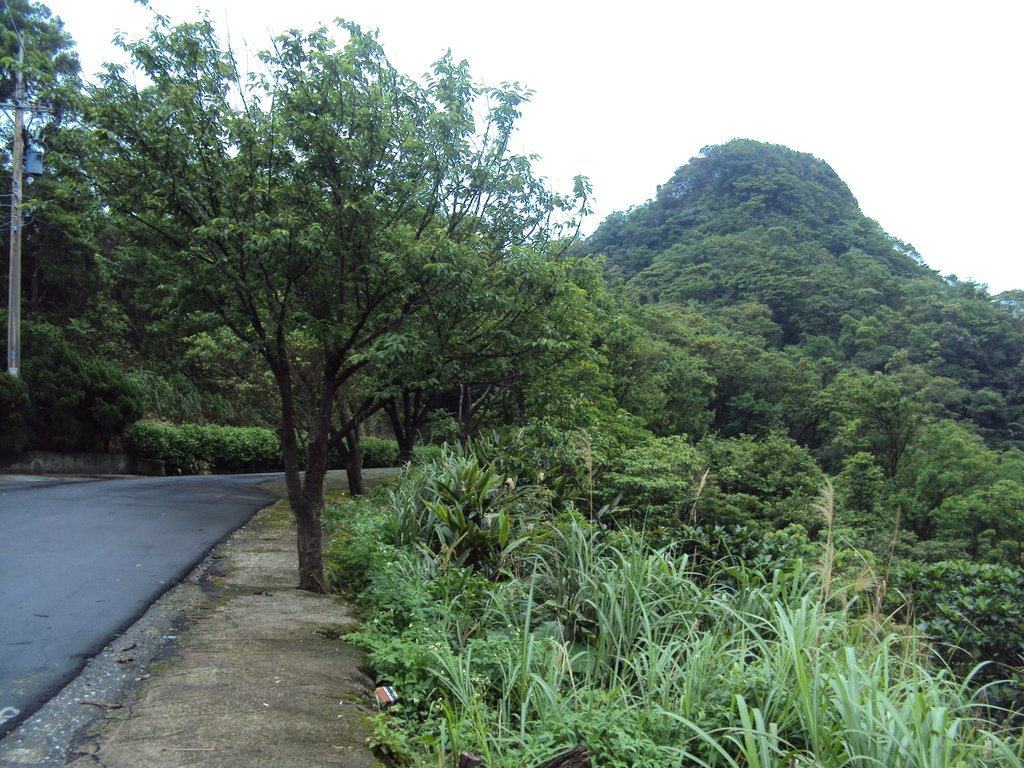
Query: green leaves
x: 50, y: 65
x: 973, y: 614
x: 309, y: 207
x: 15, y: 406
x: 465, y: 514
x: 77, y: 402
x: 328, y: 189
x: 646, y: 656
x: 200, y: 448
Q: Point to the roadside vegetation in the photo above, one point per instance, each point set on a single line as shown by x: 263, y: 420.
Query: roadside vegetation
x: 514, y: 621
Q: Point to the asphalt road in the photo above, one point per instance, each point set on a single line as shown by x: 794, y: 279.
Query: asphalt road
x: 83, y: 558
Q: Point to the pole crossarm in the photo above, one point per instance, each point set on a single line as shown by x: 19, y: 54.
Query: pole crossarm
x: 26, y: 107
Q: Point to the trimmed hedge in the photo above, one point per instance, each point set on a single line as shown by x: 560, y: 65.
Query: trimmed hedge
x: 196, y: 448
x: 379, y: 452
x: 190, y: 449
x: 238, y: 449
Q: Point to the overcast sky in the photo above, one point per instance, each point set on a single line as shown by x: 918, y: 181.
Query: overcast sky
x: 916, y: 105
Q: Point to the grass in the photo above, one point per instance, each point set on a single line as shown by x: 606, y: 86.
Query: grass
x: 279, y: 515
x: 644, y: 658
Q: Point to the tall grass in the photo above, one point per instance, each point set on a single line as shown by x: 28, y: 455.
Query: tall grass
x: 743, y: 677
x: 628, y: 650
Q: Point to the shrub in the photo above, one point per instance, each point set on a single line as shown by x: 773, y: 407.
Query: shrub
x: 564, y: 463
x: 658, y: 480
x: 161, y: 441
x: 193, y: 448
x: 239, y: 449
x: 77, y: 403
x: 356, y: 541
x: 379, y: 452
x: 973, y: 613
x: 376, y: 452
x: 464, y: 512
x: 715, y: 546
x: 425, y: 453
x: 605, y: 642
x: 15, y: 434
x: 766, y: 482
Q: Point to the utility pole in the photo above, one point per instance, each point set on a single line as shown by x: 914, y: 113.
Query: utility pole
x: 17, y: 160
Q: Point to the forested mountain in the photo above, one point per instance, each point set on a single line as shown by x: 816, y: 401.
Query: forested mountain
x: 771, y: 243
x: 747, y: 185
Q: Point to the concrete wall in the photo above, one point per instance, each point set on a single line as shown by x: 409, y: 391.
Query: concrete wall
x: 45, y: 463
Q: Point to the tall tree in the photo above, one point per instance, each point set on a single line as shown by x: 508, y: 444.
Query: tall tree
x: 490, y: 337
x: 59, y: 268
x: 315, y: 207
x: 48, y: 55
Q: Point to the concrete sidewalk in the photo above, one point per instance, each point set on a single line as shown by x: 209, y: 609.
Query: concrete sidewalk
x: 255, y: 675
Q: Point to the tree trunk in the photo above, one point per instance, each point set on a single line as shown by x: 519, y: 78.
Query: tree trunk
x: 407, y: 447
x: 309, y: 541
x: 406, y: 421
x: 468, y: 408
x: 305, y: 493
x: 465, y: 414
x: 354, y: 462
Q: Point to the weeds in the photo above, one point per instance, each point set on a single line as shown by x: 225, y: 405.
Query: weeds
x: 636, y: 652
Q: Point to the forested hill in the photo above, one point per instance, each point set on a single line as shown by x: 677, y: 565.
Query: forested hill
x: 748, y: 186
x: 772, y: 243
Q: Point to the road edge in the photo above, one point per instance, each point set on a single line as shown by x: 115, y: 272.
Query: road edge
x: 107, y: 680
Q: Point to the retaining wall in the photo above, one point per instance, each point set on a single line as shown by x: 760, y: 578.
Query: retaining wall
x: 46, y: 463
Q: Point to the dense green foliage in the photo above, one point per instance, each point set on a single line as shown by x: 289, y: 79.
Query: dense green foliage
x: 379, y: 452
x: 754, y: 267
x: 973, y: 612
x: 60, y: 270
x: 318, y: 209
x: 515, y: 636
x: 770, y: 243
x: 194, y: 448
x: 15, y: 435
x: 65, y: 401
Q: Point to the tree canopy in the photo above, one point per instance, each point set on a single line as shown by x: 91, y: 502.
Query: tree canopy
x: 316, y: 208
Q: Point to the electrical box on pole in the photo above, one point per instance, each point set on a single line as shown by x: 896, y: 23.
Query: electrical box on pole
x: 33, y: 165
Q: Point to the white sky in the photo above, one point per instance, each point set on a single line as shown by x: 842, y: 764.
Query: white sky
x: 916, y: 105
